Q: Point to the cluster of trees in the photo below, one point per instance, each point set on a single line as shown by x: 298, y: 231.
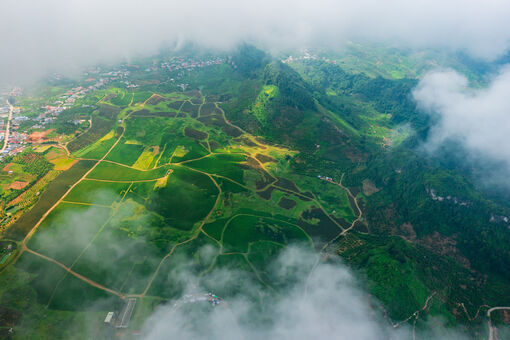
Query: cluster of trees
x: 64, y: 123
x: 407, y: 178
x: 249, y: 60
x: 33, y: 163
x: 102, y: 122
x: 391, y: 96
x: 294, y: 91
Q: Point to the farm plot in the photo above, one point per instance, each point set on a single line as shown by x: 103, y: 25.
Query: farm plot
x: 98, y: 149
x: 67, y: 230
x: 242, y: 230
x: 185, y: 200
x: 179, y: 148
x: 97, y: 192
x: 100, y: 127
x: 193, y: 257
x: 49, y: 197
x: 114, y: 172
x: 149, y: 131
x: 127, y: 250
x: 76, y: 295
x: 227, y: 165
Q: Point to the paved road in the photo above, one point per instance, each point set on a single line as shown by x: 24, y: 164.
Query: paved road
x: 6, y: 137
x: 492, y: 330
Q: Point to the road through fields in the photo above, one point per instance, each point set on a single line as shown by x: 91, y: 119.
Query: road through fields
x: 6, y: 136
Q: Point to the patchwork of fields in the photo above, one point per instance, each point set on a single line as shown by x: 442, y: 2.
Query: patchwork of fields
x: 168, y: 178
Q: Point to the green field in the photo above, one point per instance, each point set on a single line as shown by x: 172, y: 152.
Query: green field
x: 152, y: 196
x: 67, y: 230
x: 226, y: 165
x: 243, y: 230
x: 177, y: 201
x: 125, y: 153
x: 114, y: 172
x: 95, y: 192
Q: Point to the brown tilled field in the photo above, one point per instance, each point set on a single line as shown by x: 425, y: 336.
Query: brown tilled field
x: 18, y: 185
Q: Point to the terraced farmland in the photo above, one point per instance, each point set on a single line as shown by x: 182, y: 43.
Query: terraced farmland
x: 161, y: 188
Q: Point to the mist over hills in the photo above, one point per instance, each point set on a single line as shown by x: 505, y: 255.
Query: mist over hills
x: 57, y: 36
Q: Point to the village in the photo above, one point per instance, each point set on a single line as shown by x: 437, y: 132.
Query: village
x: 10, y: 118
x: 307, y: 56
x: 19, y: 137
x: 179, y: 63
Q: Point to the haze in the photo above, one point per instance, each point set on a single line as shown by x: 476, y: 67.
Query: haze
x: 44, y: 36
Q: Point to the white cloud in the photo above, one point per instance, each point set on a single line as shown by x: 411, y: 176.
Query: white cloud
x: 58, y: 34
x: 479, y: 118
x: 334, y: 307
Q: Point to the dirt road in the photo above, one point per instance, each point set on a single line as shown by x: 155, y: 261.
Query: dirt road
x: 79, y: 276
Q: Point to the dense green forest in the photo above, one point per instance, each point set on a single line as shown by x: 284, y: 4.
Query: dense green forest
x: 411, y: 228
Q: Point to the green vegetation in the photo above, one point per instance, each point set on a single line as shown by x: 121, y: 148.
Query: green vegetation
x: 125, y: 153
x: 33, y: 163
x: 94, y: 192
x: 177, y: 201
x: 242, y: 230
x: 114, y: 172
x: 100, y: 127
x: 48, y: 198
x: 141, y: 96
x: 254, y: 156
x: 223, y: 164
x: 260, y: 107
x: 22, y: 171
x: 67, y: 230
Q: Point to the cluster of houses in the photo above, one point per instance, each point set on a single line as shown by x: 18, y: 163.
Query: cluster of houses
x: 434, y: 195
x: 106, y: 77
x: 499, y: 219
x: 213, y: 299
x: 17, y: 143
x: 16, y: 91
x: 4, y: 109
x: 17, y: 139
x: 307, y: 56
x: 325, y: 178
x: 69, y: 98
x: 179, y: 63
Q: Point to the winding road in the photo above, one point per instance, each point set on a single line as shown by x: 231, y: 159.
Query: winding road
x: 493, y: 335
x: 343, y: 232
